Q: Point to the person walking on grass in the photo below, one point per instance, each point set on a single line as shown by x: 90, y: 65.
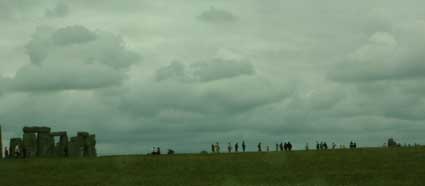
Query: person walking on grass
x: 259, y: 147
x: 217, y: 147
x: 243, y: 146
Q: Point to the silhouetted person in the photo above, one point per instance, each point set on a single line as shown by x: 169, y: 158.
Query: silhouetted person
x: 354, y: 145
x: 317, y: 145
x: 229, y: 147
x: 325, y: 146
x: 6, y: 152
x: 237, y: 147
x: 351, y: 145
x: 212, y: 148
x: 158, y: 151
x: 285, y: 146
x: 243, y: 146
x: 281, y: 146
x: 277, y: 147
x: 259, y: 147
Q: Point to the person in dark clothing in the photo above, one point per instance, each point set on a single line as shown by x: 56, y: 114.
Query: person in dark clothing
x: 289, y: 146
x: 6, y: 152
x: 243, y: 146
x: 325, y: 146
x: 212, y: 148
x: 317, y: 145
x: 354, y: 145
x: 351, y: 145
x: 259, y: 147
x: 237, y: 147
x: 281, y: 146
x: 277, y: 147
x: 285, y: 146
x: 158, y: 151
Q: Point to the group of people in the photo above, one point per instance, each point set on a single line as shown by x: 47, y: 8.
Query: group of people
x: 215, y: 148
x: 324, y: 146
x: 16, y: 154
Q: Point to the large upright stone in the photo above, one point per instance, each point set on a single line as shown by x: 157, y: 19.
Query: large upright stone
x: 30, y: 145
x: 45, y: 144
x: 83, y: 139
x: 14, y: 143
x: 1, y: 145
x: 92, y: 139
x: 74, y: 148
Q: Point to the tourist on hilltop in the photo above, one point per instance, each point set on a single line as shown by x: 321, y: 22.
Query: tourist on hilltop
x: 317, y: 145
x: 229, y: 147
x: 217, y: 147
x: 6, y: 152
x: 281, y: 146
x: 285, y: 146
x: 351, y: 145
x: 355, y: 145
x: 243, y: 146
x: 277, y: 147
x: 289, y: 146
x: 17, y: 151
x: 259, y: 147
x: 158, y: 151
x: 212, y: 148
x: 237, y: 147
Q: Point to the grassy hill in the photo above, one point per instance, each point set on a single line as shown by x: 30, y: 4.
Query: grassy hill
x: 403, y: 166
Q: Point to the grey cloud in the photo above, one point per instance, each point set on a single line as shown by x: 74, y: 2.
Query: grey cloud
x: 211, y: 70
x: 72, y: 58
x: 60, y: 10
x: 214, y: 15
x: 385, y: 56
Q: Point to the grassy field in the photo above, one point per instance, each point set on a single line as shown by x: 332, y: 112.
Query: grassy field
x: 404, y: 166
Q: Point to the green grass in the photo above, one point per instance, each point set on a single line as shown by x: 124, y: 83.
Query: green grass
x: 404, y: 166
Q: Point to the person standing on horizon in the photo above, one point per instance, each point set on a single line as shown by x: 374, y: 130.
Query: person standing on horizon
x: 212, y: 148
x: 259, y: 147
x: 217, y: 147
x: 229, y: 147
x: 237, y: 147
x: 243, y: 146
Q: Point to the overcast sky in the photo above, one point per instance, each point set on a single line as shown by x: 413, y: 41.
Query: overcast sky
x: 183, y: 74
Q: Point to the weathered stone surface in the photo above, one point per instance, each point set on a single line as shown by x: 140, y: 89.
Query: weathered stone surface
x: 61, y: 148
x: 62, y: 133
x: 36, y: 130
x: 30, y: 145
x: 13, y: 143
x: 74, y: 148
x: 93, y: 151
x: 83, y: 134
x: 45, y: 144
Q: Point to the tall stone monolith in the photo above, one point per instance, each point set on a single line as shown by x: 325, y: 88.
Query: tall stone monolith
x: 30, y: 145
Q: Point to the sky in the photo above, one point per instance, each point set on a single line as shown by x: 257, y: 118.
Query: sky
x: 184, y: 74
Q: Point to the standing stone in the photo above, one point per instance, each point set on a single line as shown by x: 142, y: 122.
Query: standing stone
x: 45, y: 144
x: 83, y: 139
x: 1, y: 145
x: 74, y: 148
x: 92, y: 139
x: 30, y: 145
